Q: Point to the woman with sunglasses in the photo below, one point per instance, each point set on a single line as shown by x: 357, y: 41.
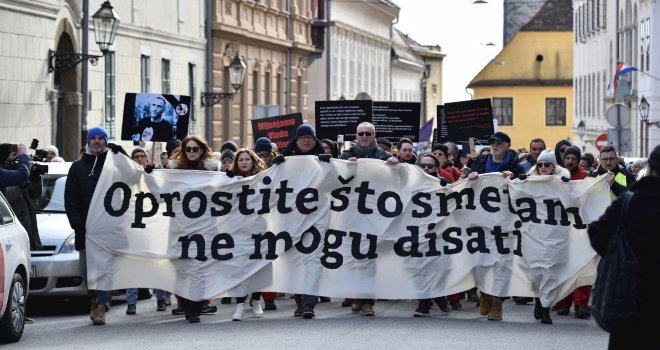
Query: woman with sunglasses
x: 247, y: 163
x: 546, y: 164
x: 447, y: 170
x: 194, y: 154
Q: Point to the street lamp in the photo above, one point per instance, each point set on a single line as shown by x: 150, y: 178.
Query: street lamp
x: 581, y: 129
x: 236, y: 77
x: 106, y: 23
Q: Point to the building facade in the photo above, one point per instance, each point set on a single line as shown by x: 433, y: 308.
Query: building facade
x: 273, y: 37
x: 530, y: 80
x: 159, y: 48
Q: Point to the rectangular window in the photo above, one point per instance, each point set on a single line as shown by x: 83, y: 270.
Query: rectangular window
x: 145, y: 73
x: 192, y: 89
x: 555, y: 111
x: 110, y: 98
x: 165, y: 76
x: 503, y: 110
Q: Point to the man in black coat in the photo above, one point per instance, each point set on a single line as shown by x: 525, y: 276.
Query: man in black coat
x: 80, y: 185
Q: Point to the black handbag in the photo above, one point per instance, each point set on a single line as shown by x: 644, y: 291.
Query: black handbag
x: 614, y: 295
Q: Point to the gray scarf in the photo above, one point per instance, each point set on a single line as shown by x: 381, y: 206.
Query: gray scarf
x: 363, y: 152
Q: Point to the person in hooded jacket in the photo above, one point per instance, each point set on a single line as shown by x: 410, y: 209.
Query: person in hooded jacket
x: 560, y: 147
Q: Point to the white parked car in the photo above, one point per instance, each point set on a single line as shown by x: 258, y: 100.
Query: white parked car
x: 15, y: 267
x: 55, y: 270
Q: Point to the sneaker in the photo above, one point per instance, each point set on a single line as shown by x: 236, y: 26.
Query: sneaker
x: 161, y: 305
x: 238, y: 314
x: 442, y: 304
x: 99, y: 316
x: 256, y: 309
x: 347, y: 302
x: 422, y: 310
x: 324, y: 300
x: 308, y: 312
x: 179, y: 310
x: 269, y: 305
x: 368, y: 310
x: 130, y: 310
x: 582, y: 312
x: 225, y: 300
x: 209, y: 309
x: 455, y: 305
x: 563, y: 311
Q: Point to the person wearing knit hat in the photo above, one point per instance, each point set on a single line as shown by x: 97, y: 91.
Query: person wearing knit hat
x: 572, y: 156
x: 52, y: 152
x: 305, y: 129
x: 264, y: 149
x: 229, y: 145
x: 139, y: 155
x: 97, y: 131
x: 227, y: 160
x: 546, y: 164
x: 330, y: 147
x: 384, y: 143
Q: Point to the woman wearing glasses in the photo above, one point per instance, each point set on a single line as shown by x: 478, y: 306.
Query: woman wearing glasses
x: 194, y: 154
x: 447, y: 170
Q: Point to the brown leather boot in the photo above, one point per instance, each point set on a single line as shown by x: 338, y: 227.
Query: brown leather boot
x: 495, y: 312
x: 92, y: 308
x: 99, y: 318
x: 485, y: 302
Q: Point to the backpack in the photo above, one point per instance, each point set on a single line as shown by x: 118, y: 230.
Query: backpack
x: 614, y: 294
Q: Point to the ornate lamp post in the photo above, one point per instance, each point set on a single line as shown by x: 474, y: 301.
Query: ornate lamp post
x: 581, y: 129
x: 236, y: 77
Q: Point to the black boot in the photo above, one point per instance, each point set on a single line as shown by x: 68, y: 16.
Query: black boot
x: 194, y: 310
x: 537, y: 308
x: 545, y: 315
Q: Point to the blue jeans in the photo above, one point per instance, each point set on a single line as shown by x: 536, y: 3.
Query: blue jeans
x: 132, y: 295
x: 102, y: 296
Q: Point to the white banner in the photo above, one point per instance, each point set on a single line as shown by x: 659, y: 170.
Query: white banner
x: 340, y: 229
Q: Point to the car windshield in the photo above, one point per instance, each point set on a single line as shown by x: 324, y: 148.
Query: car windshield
x: 52, y: 198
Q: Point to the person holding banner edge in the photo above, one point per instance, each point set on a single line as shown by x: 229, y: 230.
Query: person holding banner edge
x: 504, y: 160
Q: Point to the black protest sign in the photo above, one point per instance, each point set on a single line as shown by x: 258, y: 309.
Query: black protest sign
x: 279, y: 129
x: 441, y: 135
x: 341, y: 117
x: 155, y: 117
x: 465, y: 119
x: 396, y: 120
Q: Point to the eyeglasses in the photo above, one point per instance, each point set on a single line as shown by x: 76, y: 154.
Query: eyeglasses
x: 306, y: 138
x: 608, y: 159
x: 426, y: 166
x: 544, y: 165
x: 265, y: 155
x: 438, y: 154
x: 138, y: 156
x: 495, y: 142
x: 194, y: 149
x: 365, y: 133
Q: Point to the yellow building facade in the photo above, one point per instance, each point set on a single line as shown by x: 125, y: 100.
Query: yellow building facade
x: 530, y: 82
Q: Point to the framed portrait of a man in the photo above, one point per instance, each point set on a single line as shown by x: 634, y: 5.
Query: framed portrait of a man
x: 155, y: 117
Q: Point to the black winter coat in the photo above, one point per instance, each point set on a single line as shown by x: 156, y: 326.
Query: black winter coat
x: 641, y: 226
x: 80, y: 185
x: 293, y: 150
x: 616, y: 187
x: 479, y: 164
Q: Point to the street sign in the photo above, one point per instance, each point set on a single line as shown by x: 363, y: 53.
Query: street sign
x: 601, y: 141
x: 618, y: 115
x: 626, y: 139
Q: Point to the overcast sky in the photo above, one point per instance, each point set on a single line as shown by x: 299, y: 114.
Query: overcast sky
x: 462, y: 29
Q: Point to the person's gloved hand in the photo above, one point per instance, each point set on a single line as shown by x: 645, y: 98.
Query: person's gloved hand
x: 279, y: 159
x: 325, y: 157
x: 443, y: 182
x: 117, y: 148
x: 565, y: 179
x: 522, y: 177
x: 229, y: 173
x: 149, y: 168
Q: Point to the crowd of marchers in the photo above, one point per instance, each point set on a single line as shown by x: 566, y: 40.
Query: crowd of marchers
x: 445, y: 161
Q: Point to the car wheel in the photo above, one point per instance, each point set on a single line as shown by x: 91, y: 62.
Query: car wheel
x: 13, y: 320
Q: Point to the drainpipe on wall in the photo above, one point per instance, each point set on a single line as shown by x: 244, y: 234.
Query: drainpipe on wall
x: 396, y: 20
x: 328, y: 51
x: 208, y: 117
x: 84, y: 73
x: 289, y: 36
